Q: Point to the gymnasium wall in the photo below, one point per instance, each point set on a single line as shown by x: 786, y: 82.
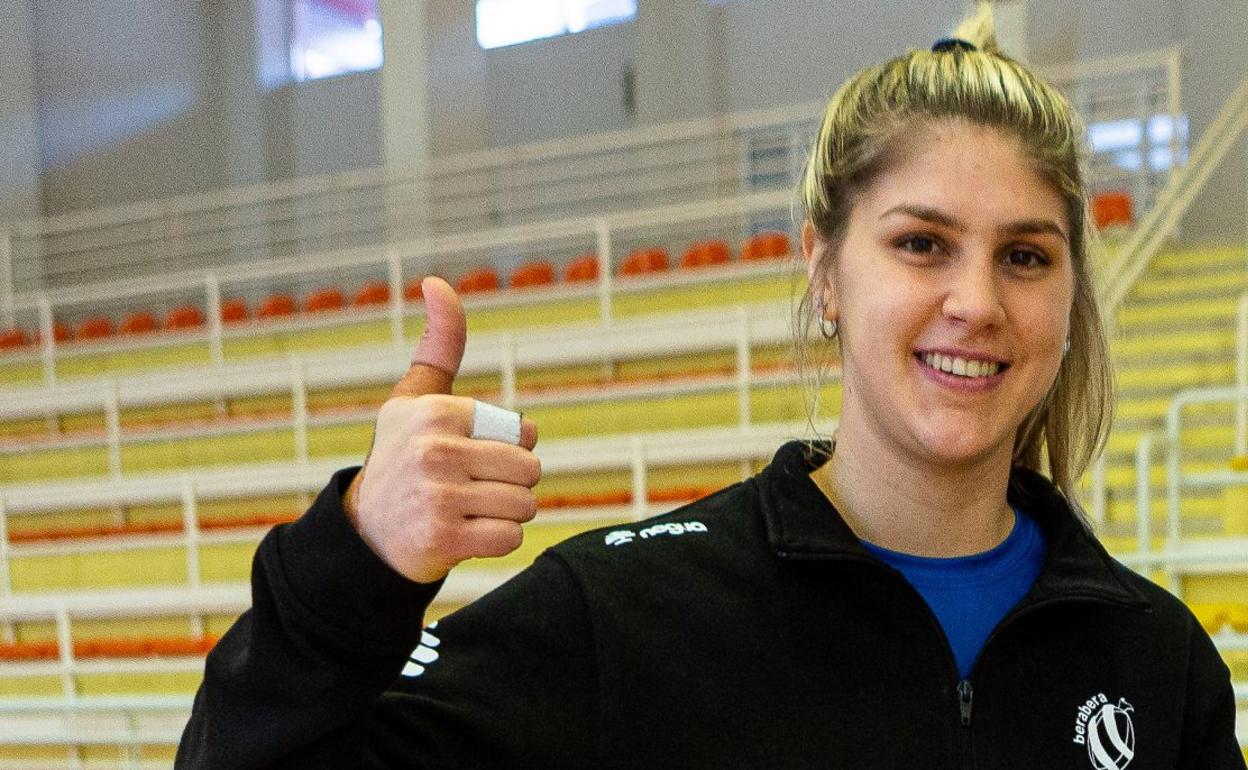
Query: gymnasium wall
x: 138, y: 98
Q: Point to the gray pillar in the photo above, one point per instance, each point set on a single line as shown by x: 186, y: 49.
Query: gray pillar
x: 675, y: 62
x: 19, y: 144
x: 405, y: 113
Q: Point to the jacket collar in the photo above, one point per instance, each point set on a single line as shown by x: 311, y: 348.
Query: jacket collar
x: 802, y: 524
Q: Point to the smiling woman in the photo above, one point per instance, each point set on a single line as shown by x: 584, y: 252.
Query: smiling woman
x: 920, y: 593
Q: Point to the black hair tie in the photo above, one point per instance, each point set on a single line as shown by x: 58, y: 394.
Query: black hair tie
x: 952, y: 43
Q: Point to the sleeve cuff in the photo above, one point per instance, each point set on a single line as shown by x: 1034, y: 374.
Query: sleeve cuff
x: 330, y: 568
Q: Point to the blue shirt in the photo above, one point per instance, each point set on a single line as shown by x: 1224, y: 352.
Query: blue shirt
x: 971, y: 594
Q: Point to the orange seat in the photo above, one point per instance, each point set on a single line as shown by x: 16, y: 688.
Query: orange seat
x: 766, y: 245
x: 583, y: 268
x: 184, y: 317
x: 533, y: 274
x: 322, y: 300
x: 140, y: 322
x: 234, y: 310
x: 641, y: 261
x: 706, y: 253
x: 275, y: 306
x: 60, y: 333
x: 1112, y: 208
x: 479, y: 280
x: 13, y: 338
x: 372, y: 293
x: 95, y: 328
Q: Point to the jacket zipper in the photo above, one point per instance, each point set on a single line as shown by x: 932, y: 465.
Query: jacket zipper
x: 965, y: 694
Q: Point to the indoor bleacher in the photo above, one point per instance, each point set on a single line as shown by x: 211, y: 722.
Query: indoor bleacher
x: 181, y: 373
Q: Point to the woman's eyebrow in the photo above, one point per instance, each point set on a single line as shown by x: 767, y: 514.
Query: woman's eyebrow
x: 1037, y: 226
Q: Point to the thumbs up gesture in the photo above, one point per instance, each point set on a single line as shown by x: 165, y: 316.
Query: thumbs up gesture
x: 429, y: 495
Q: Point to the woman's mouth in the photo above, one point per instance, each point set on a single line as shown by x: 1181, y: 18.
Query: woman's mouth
x: 962, y: 367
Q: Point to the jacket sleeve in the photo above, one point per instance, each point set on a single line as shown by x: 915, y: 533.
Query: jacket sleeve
x: 1209, y: 741
x: 330, y: 667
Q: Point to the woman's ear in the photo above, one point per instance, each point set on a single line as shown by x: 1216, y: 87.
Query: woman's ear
x: 815, y: 252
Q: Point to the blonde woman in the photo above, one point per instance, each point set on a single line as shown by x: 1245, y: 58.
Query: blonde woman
x: 922, y: 594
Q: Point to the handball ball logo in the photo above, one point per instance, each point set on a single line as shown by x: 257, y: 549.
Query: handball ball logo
x: 1111, y: 736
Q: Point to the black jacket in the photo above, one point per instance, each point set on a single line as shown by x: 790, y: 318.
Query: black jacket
x: 747, y: 630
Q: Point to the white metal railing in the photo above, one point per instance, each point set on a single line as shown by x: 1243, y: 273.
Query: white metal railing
x: 506, y: 354
x: 398, y: 261
x: 1146, y: 240
x: 585, y: 176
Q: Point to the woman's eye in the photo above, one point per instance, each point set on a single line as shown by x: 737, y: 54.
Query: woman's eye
x: 1026, y: 258
x: 918, y: 244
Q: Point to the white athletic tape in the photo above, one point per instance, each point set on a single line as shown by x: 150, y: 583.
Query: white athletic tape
x: 495, y: 423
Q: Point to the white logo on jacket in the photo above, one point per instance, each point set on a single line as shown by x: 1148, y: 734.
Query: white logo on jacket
x: 625, y: 536
x: 424, y: 654
x: 1107, y: 731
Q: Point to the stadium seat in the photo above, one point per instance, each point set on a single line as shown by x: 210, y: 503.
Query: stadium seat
x: 323, y: 300
x: 533, y: 274
x: 140, y: 322
x: 184, y: 317
x: 706, y: 253
x: 583, y: 268
x: 476, y: 281
x: 13, y: 338
x: 60, y: 333
x: 234, y: 310
x: 94, y: 328
x: 275, y: 306
x: 647, y: 260
x: 1112, y: 209
x: 372, y: 293
x: 412, y: 290
x: 766, y: 245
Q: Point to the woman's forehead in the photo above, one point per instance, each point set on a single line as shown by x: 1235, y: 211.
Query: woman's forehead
x: 964, y: 172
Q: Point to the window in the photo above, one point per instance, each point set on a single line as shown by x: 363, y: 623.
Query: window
x: 333, y: 37
x: 507, y: 22
x: 1129, y: 141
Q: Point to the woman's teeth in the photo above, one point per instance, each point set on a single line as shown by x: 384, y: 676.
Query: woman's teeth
x: 961, y: 366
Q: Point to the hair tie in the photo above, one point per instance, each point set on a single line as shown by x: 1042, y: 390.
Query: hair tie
x: 953, y: 43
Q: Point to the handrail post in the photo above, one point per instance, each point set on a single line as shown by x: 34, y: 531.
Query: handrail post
x: 48, y: 347
x: 112, y: 421
x: 65, y: 650
x: 1241, y: 376
x: 394, y: 273
x: 602, y: 230
x: 638, y: 465
x: 190, y: 534
x: 1174, y: 102
x: 1173, y: 470
x: 1100, y: 503
x: 299, y: 409
x: 743, y: 367
x: 216, y: 329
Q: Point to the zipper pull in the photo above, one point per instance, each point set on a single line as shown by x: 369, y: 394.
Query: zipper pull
x: 964, y: 701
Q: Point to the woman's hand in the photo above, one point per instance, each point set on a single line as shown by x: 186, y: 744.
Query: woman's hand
x: 429, y: 496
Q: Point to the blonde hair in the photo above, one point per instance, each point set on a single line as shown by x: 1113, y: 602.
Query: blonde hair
x: 864, y: 126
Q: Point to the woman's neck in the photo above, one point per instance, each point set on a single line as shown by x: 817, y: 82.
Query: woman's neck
x: 913, y: 508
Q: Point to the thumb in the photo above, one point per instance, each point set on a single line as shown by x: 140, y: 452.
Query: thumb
x: 436, y: 360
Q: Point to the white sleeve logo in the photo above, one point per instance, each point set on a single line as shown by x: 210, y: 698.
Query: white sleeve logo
x: 625, y: 536
x: 424, y: 654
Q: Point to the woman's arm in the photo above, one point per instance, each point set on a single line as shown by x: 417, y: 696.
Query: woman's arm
x: 313, y: 674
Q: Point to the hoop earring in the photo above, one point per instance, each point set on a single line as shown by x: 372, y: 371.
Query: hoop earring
x: 1066, y: 347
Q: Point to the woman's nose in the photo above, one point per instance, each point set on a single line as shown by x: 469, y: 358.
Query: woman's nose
x: 973, y: 296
